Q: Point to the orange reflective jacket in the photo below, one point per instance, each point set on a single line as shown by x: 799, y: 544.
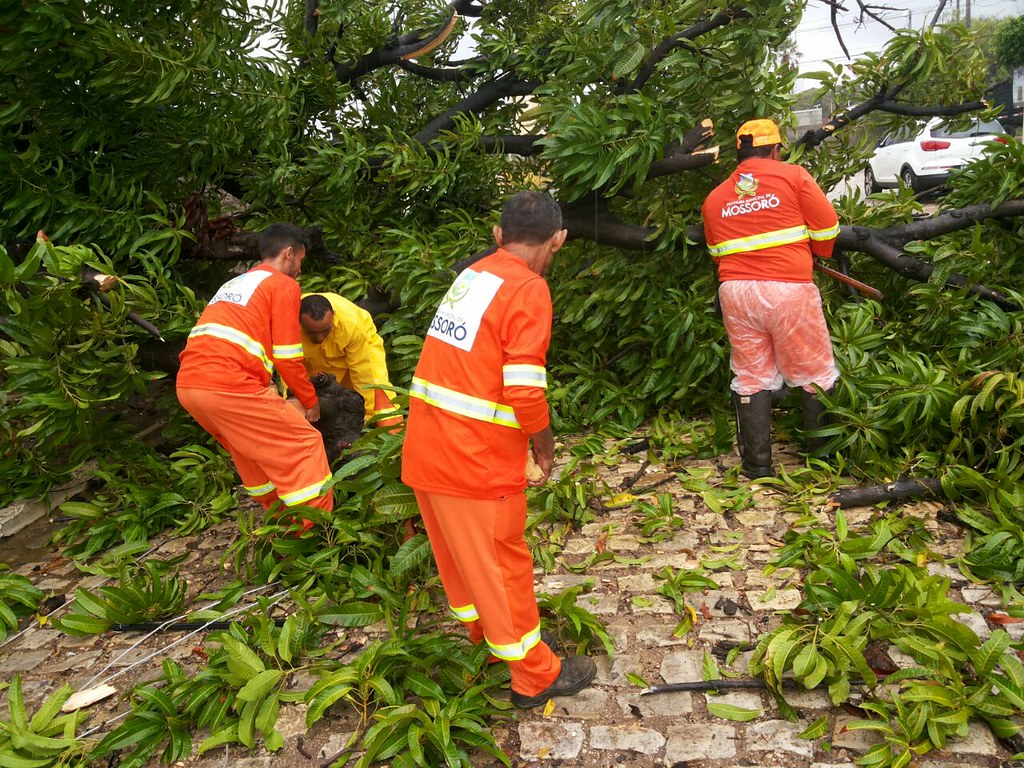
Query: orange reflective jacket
x: 765, y: 220
x: 479, y: 388
x: 249, y: 328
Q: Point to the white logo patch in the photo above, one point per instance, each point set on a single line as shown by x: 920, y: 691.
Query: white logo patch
x: 457, y: 320
x: 238, y: 290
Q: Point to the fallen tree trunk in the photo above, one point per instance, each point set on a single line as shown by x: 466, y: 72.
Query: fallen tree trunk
x: 904, y: 488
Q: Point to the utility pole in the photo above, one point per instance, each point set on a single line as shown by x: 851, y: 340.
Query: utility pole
x: 967, y: 13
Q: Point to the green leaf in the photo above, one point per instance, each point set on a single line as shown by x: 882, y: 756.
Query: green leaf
x: 258, y: 687
x: 815, y: 730
x: 732, y: 712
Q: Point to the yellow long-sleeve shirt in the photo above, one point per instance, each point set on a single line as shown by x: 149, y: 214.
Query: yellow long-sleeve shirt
x: 353, y: 352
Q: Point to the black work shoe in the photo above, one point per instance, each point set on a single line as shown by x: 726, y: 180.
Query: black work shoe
x: 576, y: 674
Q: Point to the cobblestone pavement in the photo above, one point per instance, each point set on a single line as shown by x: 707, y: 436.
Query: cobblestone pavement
x: 610, y: 723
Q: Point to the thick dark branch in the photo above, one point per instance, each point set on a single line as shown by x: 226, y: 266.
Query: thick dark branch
x: 937, y: 110
x: 511, y: 144
x: 904, y: 488
x: 245, y: 246
x: 312, y: 22
x: 406, y: 46
x: 868, y: 242
x: 485, y: 95
x: 670, y: 43
x: 834, y: 16
x: 445, y: 74
x: 949, y: 221
x: 679, y: 162
x: 594, y: 221
x: 938, y: 13
x: 468, y: 8
x: 814, y: 137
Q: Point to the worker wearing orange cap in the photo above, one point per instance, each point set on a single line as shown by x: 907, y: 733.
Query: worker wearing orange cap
x: 250, y: 328
x: 763, y: 225
x: 477, y: 402
x: 339, y: 338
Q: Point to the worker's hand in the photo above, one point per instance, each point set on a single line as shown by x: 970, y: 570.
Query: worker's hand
x: 313, y: 414
x: 544, y: 463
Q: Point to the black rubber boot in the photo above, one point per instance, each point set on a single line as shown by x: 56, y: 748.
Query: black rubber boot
x: 754, y: 433
x: 815, y: 417
x: 577, y: 673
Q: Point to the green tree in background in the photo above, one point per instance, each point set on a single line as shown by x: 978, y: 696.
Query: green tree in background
x: 152, y: 140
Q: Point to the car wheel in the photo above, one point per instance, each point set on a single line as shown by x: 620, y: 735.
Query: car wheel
x: 871, y: 184
x: 909, y: 178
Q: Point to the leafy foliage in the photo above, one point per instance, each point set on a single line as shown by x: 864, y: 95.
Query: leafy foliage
x: 46, y: 737
x: 17, y: 597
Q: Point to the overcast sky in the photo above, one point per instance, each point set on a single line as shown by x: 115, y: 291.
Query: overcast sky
x: 816, y: 41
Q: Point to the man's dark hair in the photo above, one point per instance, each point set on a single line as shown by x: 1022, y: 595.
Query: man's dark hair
x: 530, y: 218
x: 278, y: 236
x: 315, y: 305
x: 747, y: 149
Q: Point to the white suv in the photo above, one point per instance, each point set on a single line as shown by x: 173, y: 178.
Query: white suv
x: 925, y: 159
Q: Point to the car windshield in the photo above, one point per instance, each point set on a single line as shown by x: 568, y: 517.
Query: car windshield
x: 979, y: 128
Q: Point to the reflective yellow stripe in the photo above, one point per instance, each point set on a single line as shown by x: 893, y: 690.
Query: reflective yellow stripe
x: 235, y: 336
x: 464, y: 405
x: 305, y: 494
x: 516, y: 651
x: 759, y: 242
x: 287, y: 351
x: 824, y: 234
x: 259, y: 490
x: 524, y: 376
x: 465, y: 613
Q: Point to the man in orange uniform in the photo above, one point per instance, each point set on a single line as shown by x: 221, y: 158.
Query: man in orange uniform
x: 763, y: 226
x: 476, y: 402
x: 249, y: 328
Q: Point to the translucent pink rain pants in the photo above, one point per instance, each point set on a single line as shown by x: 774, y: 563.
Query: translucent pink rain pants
x: 778, y: 334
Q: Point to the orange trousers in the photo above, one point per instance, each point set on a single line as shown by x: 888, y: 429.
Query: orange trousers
x: 278, y: 454
x: 487, y: 572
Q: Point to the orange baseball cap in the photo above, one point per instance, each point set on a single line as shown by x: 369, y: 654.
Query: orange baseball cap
x: 764, y: 131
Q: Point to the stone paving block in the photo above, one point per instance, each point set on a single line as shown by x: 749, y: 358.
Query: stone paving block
x: 550, y: 740
x: 671, y: 704
x: 578, y: 547
x: 813, y: 699
x: 291, y: 720
x: 683, y: 667
x: 724, y: 629
x: 639, y: 583
x: 942, y: 569
x: 55, y: 585
x: 36, y: 637
x: 613, y: 671
x: 676, y: 560
x: 629, y: 737
x: 858, y: 741
x: 976, y: 622
x: 679, y: 542
x: 781, y: 600
x: 559, y: 582
x: 839, y: 765
x: 741, y: 699
x: 755, y: 518
x: 23, y: 661
x: 756, y: 578
x: 699, y: 741
x: 651, y: 605
x: 599, y: 604
x: 623, y: 543
x: 74, y: 661
x: 980, y: 595
x: 979, y: 741
x: 777, y: 736
x: 588, y: 704
x: 592, y: 530
x: 658, y: 635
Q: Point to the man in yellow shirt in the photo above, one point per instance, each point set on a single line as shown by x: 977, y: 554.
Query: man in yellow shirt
x: 340, y: 339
